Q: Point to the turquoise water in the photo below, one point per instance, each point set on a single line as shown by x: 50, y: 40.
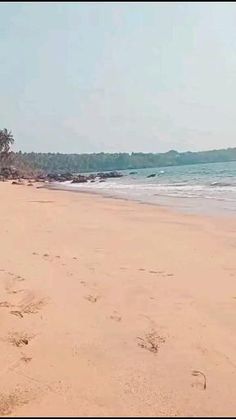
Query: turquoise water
x: 199, y: 187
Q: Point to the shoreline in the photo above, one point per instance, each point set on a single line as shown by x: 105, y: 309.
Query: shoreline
x: 213, y: 212
x: 107, y: 307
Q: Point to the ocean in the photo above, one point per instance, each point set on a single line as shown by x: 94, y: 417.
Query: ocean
x: 195, y: 188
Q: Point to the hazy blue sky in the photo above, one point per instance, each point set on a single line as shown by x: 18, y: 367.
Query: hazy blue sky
x: 90, y: 77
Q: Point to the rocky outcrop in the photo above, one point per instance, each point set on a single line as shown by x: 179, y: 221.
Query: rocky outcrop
x: 80, y: 179
x: 106, y: 175
x: 54, y: 177
x: 152, y: 175
x: 11, y: 173
x: 17, y: 182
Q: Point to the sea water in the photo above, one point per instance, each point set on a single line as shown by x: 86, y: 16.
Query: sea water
x: 199, y: 187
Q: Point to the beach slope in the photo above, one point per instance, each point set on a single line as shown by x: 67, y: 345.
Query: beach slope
x: 111, y: 307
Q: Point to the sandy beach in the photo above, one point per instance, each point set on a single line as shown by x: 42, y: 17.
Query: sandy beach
x: 108, y: 306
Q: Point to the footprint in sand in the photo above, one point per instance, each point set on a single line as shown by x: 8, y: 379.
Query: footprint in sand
x: 46, y: 255
x: 17, y: 313
x: 15, y: 291
x: 10, y: 282
x: 26, y: 359
x: 18, y: 397
x: 5, y: 304
x: 19, y: 278
x: 115, y: 317
x: 202, y: 383
x: 33, y: 307
x: 151, y: 271
x: 83, y: 283
x: 91, y: 298
x: 163, y: 273
x: 19, y: 339
x: 151, y: 341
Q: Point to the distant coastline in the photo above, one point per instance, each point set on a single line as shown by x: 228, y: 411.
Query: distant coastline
x: 59, y: 162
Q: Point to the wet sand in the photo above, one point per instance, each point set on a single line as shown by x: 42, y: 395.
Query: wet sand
x: 107, y: 307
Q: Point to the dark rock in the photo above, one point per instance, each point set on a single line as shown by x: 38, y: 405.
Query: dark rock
x: 38, y: 179
x: 133, y: 173
x: 66, y: 176
x: 53, y: 177
x: 92, y: 177
x: 59, y: 177
x: 107, y: 175
x: 80, y: 179
x: 62, y: 177
x: 152, y: 175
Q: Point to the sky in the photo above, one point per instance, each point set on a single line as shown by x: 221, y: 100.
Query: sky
x: 118, y: 77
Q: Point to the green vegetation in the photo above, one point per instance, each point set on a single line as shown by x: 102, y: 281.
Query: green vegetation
x: 6, y: 140
x: 56, y: 162
x: 12, y: 163
x: 75, y: 163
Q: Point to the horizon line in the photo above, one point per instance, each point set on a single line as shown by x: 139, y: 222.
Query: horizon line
x: 125, y: 152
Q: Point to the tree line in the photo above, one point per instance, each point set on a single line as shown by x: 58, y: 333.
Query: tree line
x: 75, y: 163
x: 58, y: 162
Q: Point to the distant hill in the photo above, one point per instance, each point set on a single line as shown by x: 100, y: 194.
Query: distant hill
x: 57, y: 162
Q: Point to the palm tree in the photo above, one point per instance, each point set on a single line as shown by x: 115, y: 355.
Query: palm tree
x: 6, y: 140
